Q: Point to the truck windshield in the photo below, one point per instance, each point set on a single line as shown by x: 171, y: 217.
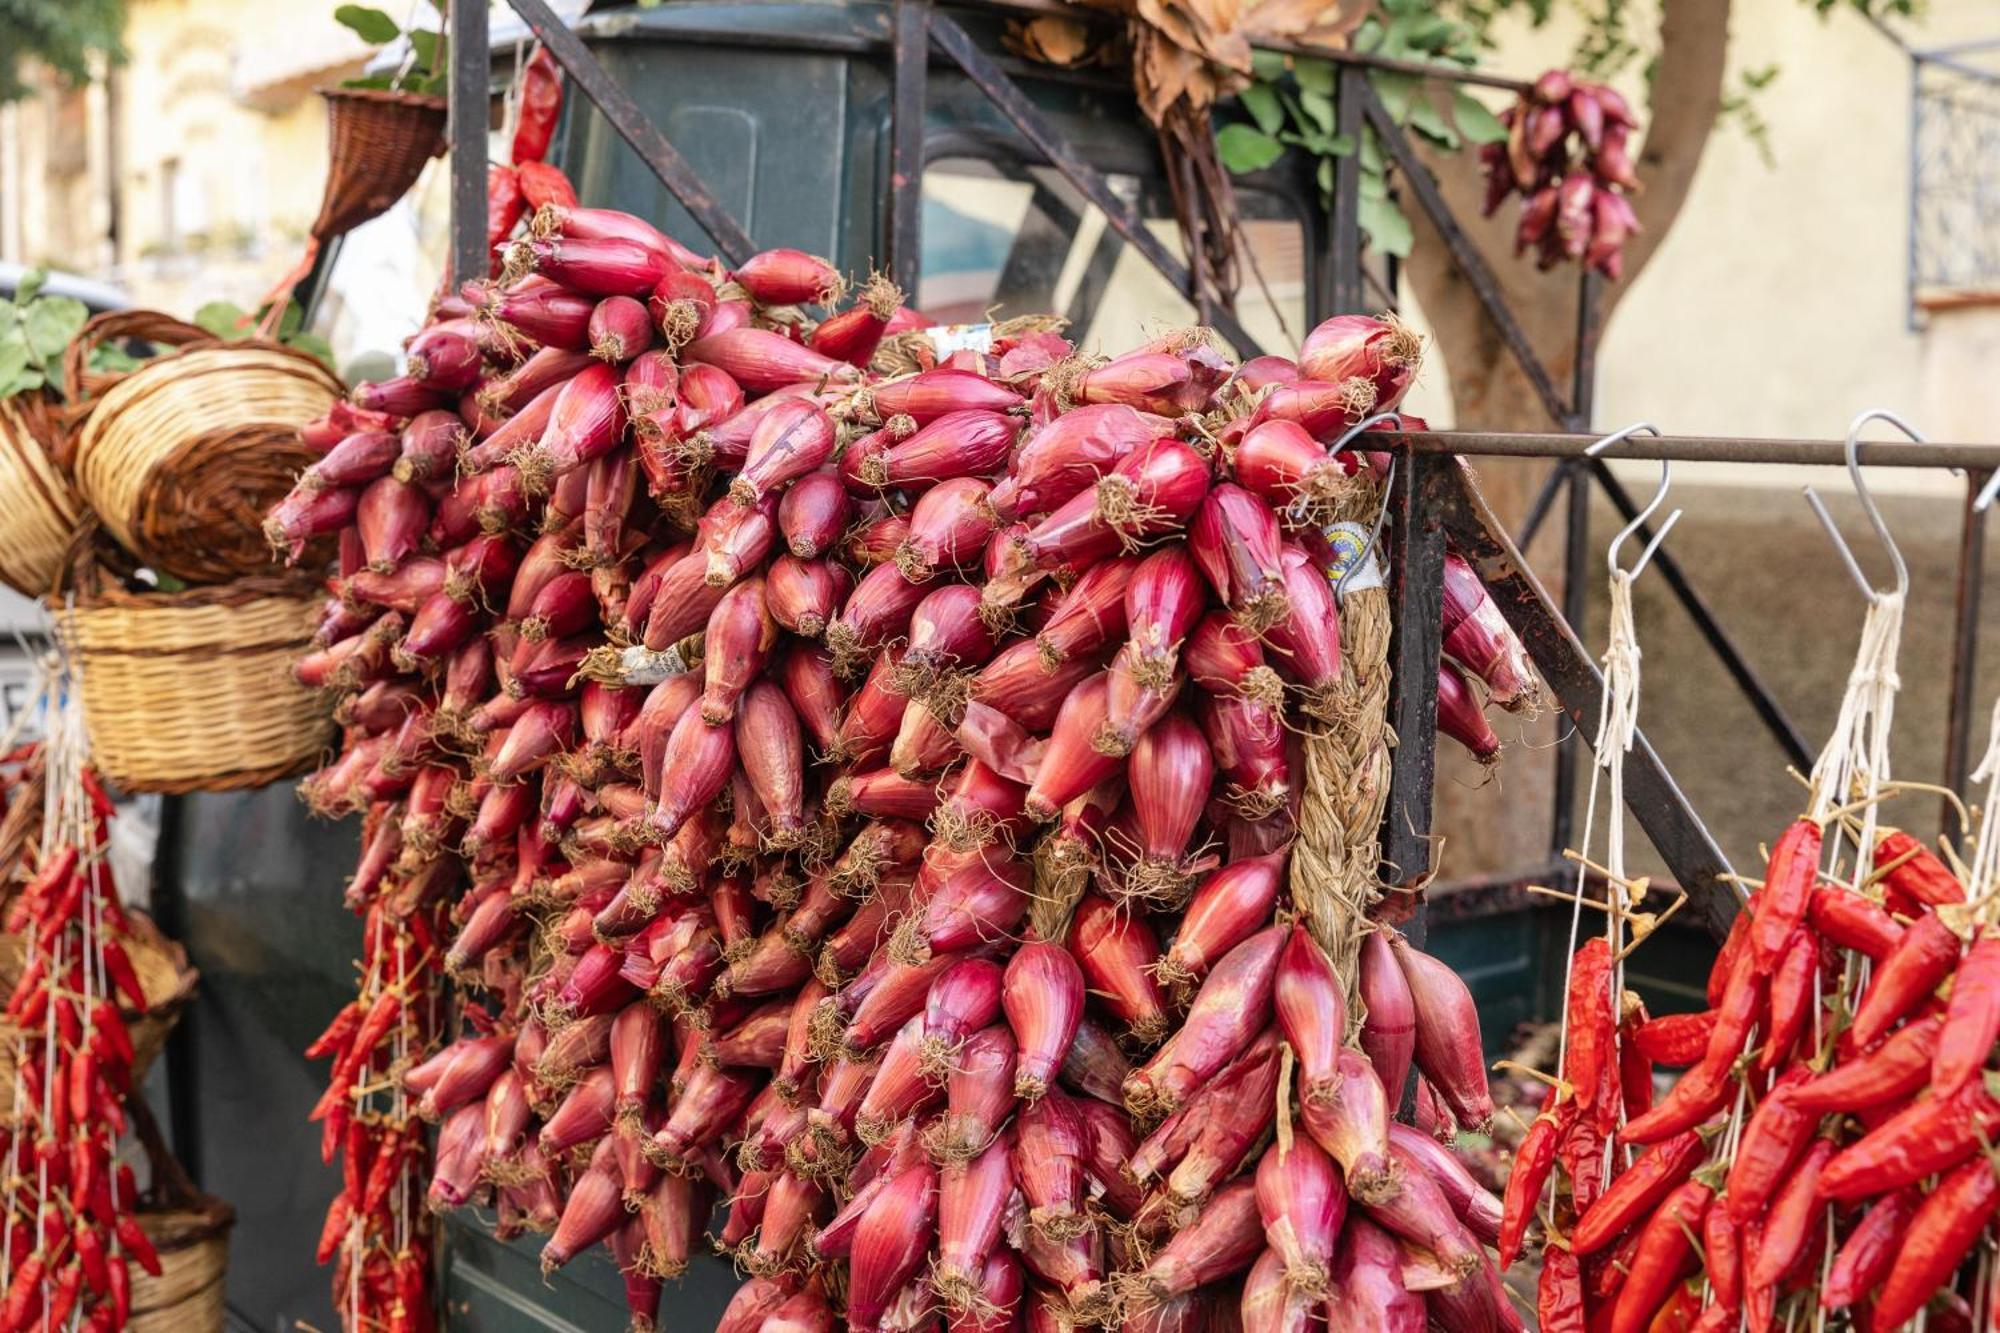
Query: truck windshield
x: 1002, y: 238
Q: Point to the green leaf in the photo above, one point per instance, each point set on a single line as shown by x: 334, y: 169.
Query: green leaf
x: 1318, y: 106
x: 1397, y: 92
x: 1267, y: 66
x: 1474, y: 121
x: 370, y: 25
x: 424, y: 45
x: 1431, y: 32
x: 1374, y: 186
x: 10, y: 318
x: 1314, y: 75
x: 1325, y: 178
x: 1371, y: 154
x: 1428, y: 121
x: 371, y: 81
x: 313, y: 345
x: 17, y: 373
x: 31, y: 282
x: 1243, y: 148
x: 1388, y: 230
x: 1368, y: 36
x: 222, y: 319
x: 1261, y: 101
x: 51, y: 322
x: 108, y: 360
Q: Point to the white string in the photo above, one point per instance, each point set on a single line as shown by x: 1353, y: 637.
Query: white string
x: 1855, y: 763
x: 1986, y: 851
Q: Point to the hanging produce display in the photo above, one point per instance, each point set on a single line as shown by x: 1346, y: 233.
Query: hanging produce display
x: 1565, y: 154
x: 1828, y: 1148
x: 92, y: 993
x: 859, y: 784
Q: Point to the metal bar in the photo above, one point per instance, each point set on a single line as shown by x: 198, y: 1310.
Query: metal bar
x: 624, y: 116
x: 470, y: 104
x: 1466, y: 255
x: 902, y: 248
x: 1589, y: 328
x: 1662, y: 810
x: 1688, y: 448
x: 1575, y: 602
x: 1768, y: 709
x: 1007, y: 97
x: 1346, y: 295
x: 1961, y: 716
x: 169, y: 909
x: 1416, y: 588
x: 1545, y: 500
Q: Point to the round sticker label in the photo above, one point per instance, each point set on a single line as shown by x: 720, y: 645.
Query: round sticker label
x: 1350, y: 543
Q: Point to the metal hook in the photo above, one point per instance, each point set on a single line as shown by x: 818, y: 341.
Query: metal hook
x: 1388, y: 488
x: 1640, y: 519
x: 1868, y: 507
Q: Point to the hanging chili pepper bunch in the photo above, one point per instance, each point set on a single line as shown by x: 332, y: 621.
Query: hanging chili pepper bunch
x: 1046, y: 626
x: 377, y: 1232
x: 525, y: 182
x: 1565, y: 154
x: 72, y: 1233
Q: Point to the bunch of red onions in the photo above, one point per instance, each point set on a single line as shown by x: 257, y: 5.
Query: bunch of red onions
x: 1566, y: 155
x: 863, y: 803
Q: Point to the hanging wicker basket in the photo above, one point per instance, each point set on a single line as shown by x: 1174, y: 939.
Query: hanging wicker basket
x: 182, y: 457
x: 38, y: 506
x: 190, y: 1233
x: 192, y: 691
x: 165, y: 975
x: 377, y: 143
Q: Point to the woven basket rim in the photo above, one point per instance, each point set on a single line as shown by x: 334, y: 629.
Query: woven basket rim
x: 396, y: 96
x: 90, y: 572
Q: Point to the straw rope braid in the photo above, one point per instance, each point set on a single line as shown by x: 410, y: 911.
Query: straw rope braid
x: 1335, y: 869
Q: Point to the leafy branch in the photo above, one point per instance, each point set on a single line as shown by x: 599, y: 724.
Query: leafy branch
x: 424, y: 69
x: 1290, y: 105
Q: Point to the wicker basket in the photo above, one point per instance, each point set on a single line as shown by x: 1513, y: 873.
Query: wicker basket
x: 38, y: 506
x: 377, y: 143
x: 190, y: 1232
x: 164, y: 974
x: 192, y: 691
x: 182, y: 457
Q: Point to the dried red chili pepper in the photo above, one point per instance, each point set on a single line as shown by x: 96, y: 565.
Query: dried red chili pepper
x: 1580, y: 1148
x: 338, y: 1215
x: 1559, y: 1293
x: 1869, y: 1251
x: 1909, y: 867
x: 1775, y: 1137
x: 1780, y: 905
x: 1635, y: 1193
x: 1533, y: 1161
x: 1664, y: 1253
x: 541, y: 104
x: 1851, y: 921
x: 1791, y: 998
x: 1925, y: 956
x: 542, y: 184
x: 1972, y: 1018
x: 1938, y: 1239
x: 1743, y: 1005
x: 1929, y: 1136
x: 136, y: 1243
x: 504, y: 207
x: 1635, y: 1071
x: 1678, y: 1315
x: 1701, y: 1092
x: 1675, y: 1039
x: 1725, y: 958
x: 1591, y: 1028
x: 1896, y: 1069
x: 1793, y: 1212
x: 1722, y: 1246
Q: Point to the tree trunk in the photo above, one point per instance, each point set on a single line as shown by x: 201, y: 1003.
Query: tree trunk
x: 1489, y: 391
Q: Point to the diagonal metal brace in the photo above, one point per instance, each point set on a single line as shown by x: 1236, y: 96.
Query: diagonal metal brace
x: 1466, y: 255
x: 1655, y: 800
x: 1012, y: 103
x: 653, y: 147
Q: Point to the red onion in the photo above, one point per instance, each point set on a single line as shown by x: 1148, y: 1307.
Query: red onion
x: 1067, y: 455
x: 791, y: 440
x: 890, y: 1244
x: 1460, y: 717
x: 1447, y: 1023
x: 1302, y: 1204
x: 760, y: 360
x: 1043, y: 997
x: 597, y: 266
x: 853, y: 334
x: 739, y: 638
x: 935, y: 393
x: 958, y: 444
x: 1225, y: 1119
x: 813, y: 514
x: 1352, y: 1124
x: 789, y: 277
x: 1389, y: 1032
x: 1169, y: 773
x: 1228, y: 908
x: 1367, y: 1283
x: 972, y: 1200
x: 1224, y: 1239
x: 1093, y: 611
x: 546, y: 312
x: 878, y: 609
x: 979, y: 1094
x: 949, y: 526
x: 1307, y: 639
x: 1312, y: 1011
x: 1116, y: 950
x: 1233, y: 1004
x: 1234, y: 539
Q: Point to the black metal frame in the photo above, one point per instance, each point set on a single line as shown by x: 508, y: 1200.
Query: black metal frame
x: 1434, y: 502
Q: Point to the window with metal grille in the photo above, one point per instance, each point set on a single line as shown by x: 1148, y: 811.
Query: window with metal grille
x: 1954, y: 177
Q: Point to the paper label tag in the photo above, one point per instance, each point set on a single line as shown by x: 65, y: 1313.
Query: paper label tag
x: 1351, y: 548
x: 642, y: 666
x: 950, y: 338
